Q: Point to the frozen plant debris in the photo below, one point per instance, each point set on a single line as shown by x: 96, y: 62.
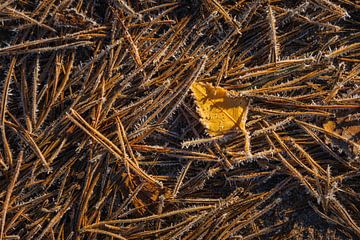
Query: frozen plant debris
x: 219, y: 112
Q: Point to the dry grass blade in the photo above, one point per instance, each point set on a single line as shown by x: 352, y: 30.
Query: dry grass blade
x: 4, y: 102
x: 275, y: 50
x: 177, y: 119
x: 9, y: 193
x: 17, y: 14
x: 215, y: 4
x: 153, y: 217
x: 97, y: 136
x: 56, y: 218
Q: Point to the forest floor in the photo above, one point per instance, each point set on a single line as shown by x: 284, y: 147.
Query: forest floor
x: 179, y: 119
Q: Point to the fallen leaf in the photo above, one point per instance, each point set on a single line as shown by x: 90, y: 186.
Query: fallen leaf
x: 219, y: 111
x: 329, y: 126
x: 349, y: 129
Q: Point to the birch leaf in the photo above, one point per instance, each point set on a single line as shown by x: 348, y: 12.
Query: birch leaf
x: 219, y: 112
x: 349, y: 129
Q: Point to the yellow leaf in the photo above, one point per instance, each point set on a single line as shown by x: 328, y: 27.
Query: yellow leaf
x: 219, y: 112
x: 344, y: 127
x: 349, y: 129
x: 329, y: 126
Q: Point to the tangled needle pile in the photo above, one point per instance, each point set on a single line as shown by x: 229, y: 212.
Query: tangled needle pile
x: 104, y: 137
